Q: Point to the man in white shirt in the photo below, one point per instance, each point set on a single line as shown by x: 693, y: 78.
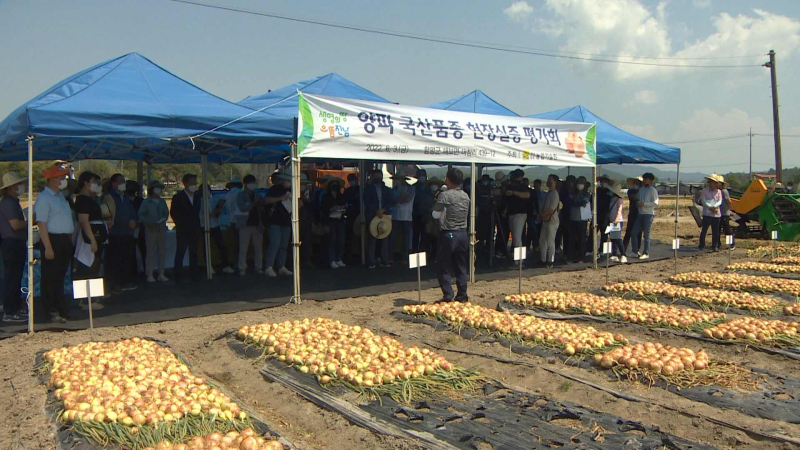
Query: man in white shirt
x: 54, y: 218
x: 402, y: 216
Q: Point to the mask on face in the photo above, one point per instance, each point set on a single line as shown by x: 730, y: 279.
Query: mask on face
x: 62, y: 184
x: 121, y: 187
x: 434, y: 188
x: 192, y: 189
x: 251, y: 186
x: 581, y: 186
x: 157, y: 191
x: 20, y: 189
x: 96, y: 188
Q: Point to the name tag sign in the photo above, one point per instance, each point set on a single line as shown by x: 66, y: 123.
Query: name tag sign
x: 729, y: 239
x: 417, y: 260
x: 88, y: 288
x: 775, y: 235
x: 676, y: 244
x: 606, y: 248
x: 520, y: 253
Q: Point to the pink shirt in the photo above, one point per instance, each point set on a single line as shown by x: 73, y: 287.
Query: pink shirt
x: 711, y: 198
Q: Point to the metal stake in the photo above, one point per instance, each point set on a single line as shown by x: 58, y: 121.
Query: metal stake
x: 419, y: 281
x: 91, y: 315
x: 31, y: 261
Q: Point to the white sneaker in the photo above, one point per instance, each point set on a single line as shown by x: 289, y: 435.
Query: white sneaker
x: 285, y: 272
x: 644, y: 256
x: 614, y: 258
x: 270, y: 272
x: 229, y: 270
x: 150, y: 279
x: 623, y: 259
x: 333, y: 265
x: 341, y: 263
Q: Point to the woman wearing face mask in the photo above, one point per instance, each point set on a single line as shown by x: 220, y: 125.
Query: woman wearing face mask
x: 576, y: 236
x: 153, y: 213
x: 333, y: 206
x: 121, y: 243
x: 134, y: 191
x: 94, y: 232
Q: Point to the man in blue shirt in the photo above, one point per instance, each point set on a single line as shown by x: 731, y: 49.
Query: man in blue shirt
x: 121, y: 248
x: 54, y: 218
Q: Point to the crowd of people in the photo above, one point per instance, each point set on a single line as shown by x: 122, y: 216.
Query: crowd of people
x: 94, y: 227
x: 555, y: 220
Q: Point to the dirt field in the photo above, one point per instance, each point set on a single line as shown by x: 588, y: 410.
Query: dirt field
x: 309, y: 427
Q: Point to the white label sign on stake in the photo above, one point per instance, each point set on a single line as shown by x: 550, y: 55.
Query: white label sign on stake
x: 606, y: 248
x: 82, y: 288
x: 676, y: 244
x: 775, y: 235
x: 417, y: 260
x: 729, y: 239
x: 520, y: 253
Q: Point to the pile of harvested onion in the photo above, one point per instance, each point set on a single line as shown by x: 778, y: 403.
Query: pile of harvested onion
x: 569, y: 337
x: 655, y: 357
x: 791, y: 260
x: 781, y: 250
x: 792, y: 310
x: 247, y: 439
x: 740, y: 282
x: 703, y: 296
x: 775, y: 332
x: 633, y: 311
x: 683, y: 367
x: 132, y: 391
x: 765, y: 267
x: 363, y: 360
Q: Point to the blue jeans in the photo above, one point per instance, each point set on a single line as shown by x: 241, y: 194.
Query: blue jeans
x: 643, y: 223
x: 401, y: 229
x: 336, y: 240
x: 278, y: 244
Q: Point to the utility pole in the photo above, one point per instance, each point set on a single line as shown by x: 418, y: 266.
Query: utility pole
x: 776, y: 121
x: 751, y: 154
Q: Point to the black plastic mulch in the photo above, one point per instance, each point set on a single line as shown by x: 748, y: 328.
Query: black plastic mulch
x: 504, y: 417
x: 789, y: 352
x: 777, y: 401
x: 68, y: 439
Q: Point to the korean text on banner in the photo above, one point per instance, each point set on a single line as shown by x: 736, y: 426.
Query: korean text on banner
x: 332, y: 127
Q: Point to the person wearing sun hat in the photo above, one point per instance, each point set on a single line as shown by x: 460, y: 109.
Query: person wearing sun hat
x: 14, y: 234
x: 711, y: 200
x: 615, y: 219
x: 725, y: 211
x: 54, y: 218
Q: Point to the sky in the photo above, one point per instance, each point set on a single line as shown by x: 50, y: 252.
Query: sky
x: 234, y: 55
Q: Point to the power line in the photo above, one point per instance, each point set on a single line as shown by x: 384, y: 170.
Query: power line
x: 719, y: 138
x: 484, y: 46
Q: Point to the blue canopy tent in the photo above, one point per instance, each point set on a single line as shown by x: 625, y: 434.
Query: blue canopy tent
x: 283, y: 102
x: 474, y: 102
x: 617, y: 146
x: 130, y: 108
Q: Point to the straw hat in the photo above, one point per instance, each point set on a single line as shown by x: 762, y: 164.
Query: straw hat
x: 233, y: 182
x: 433, y: 181
x: 380, y: 227
x: 715, y: 177
x: 616, y: 189
x: 11, y: 178
x: 635, y: 179
x: 605, y: 177
x: 498, y: 176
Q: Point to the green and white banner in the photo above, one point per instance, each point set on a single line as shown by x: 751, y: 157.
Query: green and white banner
x: 332, y: 127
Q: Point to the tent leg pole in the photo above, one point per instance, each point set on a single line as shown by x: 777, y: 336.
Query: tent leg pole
x: 149, y: 171
x: 473, y: 175
x: 594, y: 218
x: 362, y: 178
x: 677, y: 209
x: 206, y: 200
x: 31, y: 261
x: 296, y: 223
